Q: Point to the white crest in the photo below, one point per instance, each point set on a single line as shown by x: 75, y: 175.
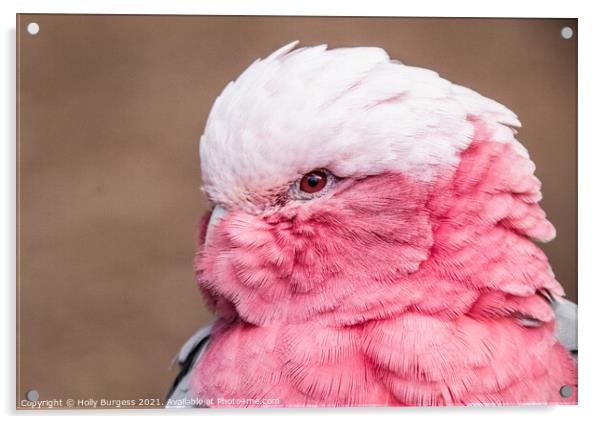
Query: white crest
x: 353, y: 111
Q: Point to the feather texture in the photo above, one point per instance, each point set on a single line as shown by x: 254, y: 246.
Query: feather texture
x: 414, y: 281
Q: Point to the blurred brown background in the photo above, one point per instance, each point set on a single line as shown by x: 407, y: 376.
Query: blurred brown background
x: 110, y: 112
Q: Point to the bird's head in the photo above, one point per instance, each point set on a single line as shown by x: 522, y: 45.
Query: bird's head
x: 334, y: 175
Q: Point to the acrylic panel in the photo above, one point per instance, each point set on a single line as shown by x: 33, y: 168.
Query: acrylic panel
x: 366, y: 233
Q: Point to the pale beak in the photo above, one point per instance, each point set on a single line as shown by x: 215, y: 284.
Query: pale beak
x: 217, y: 214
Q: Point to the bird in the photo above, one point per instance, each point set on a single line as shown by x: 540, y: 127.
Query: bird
x: 372, y: 242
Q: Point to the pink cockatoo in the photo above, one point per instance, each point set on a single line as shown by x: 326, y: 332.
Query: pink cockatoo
x: 371, y: 242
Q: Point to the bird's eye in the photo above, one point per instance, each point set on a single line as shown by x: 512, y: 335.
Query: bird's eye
x: 316, y: 183
x: 313, y: 182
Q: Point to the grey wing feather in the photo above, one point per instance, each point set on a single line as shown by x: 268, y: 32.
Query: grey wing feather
x: 190, y: 353
x: 566, y: 324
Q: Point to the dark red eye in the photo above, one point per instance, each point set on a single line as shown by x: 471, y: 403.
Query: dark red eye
x: 313, y: 182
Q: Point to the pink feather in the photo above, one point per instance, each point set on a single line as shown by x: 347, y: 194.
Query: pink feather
x: 394, y: 290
